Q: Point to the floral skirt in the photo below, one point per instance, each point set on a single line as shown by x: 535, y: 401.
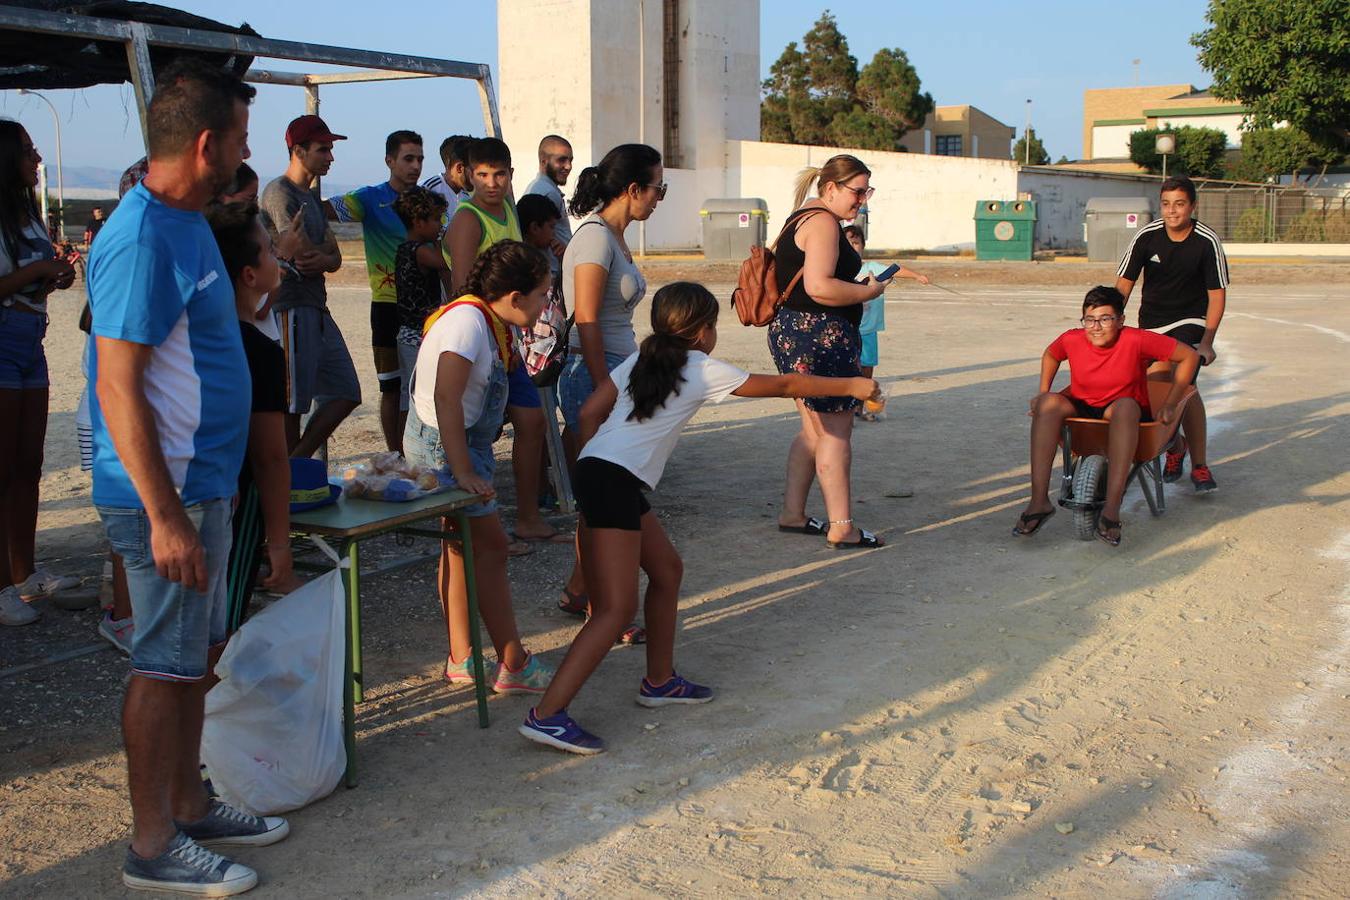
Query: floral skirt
x: 808, y: 343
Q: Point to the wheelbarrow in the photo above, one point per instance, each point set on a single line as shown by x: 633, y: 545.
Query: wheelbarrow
x: 1084, y: 442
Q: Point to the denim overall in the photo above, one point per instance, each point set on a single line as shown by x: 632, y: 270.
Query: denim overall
x: 423, y: 446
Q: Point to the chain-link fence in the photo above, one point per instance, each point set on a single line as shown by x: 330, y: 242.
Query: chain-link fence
x: 1263, y: 214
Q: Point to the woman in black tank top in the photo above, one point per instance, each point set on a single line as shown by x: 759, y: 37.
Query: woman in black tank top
x: 815, y: 332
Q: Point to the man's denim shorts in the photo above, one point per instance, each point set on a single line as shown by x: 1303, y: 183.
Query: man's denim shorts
x: 175, y: 626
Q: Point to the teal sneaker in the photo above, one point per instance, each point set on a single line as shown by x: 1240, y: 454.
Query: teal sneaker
x: 532, y: 678
x: 462, y: 672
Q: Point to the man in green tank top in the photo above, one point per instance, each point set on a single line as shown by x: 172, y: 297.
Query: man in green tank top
x: 489, y: 215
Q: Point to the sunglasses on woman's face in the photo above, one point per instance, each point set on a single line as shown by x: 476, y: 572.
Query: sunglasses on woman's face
x: 660, y: 189
x: 863, y: 194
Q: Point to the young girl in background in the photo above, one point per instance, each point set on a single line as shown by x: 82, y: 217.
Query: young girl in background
x: 635, y: 417
x: 457, y: 400
x: 874, y: 312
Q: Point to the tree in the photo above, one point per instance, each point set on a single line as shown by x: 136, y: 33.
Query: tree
x: 888, y: 88
x: 1270, y: 152
x: 816, y: 95
x: 1286, y: 61
x: 1199, y: 151
x: 1038, y: 155
x: 785, y: 87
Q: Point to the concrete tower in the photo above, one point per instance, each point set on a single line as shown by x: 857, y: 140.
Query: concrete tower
x: 680, y: 75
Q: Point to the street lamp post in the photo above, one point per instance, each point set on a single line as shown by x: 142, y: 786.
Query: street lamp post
x: 60, y: 174
x: 1165, y: 144
x: 1026, y: 138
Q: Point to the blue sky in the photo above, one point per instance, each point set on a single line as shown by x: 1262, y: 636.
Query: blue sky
x: 992, y: 55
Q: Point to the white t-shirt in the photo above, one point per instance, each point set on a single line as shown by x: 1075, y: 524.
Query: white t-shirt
x: 643, y: 447
x: 34, y: 246
x: 461, y: 330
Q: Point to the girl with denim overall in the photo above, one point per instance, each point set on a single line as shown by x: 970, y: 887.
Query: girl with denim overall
x: 458, y: 398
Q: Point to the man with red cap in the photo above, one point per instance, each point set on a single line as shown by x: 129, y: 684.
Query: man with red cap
x: 319, y: 366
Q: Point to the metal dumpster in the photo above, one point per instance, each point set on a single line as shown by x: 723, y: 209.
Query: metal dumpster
x: 1004, y: 229
x: 1110, y: 223
x: 731, y: 226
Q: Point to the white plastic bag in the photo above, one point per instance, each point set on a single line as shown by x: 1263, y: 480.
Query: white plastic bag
x: 272, y: 737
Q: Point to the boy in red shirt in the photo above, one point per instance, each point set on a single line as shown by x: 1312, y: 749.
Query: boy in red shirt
x: 1108, y: 365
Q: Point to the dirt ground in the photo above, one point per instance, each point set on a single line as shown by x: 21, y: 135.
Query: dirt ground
x: 959, y: 714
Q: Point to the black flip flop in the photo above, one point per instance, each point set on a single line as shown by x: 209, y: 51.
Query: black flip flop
x: 811, y: 526
x: 1035, y: 520
x: 1104, y: 522
x: 866, y: 541
x: 576, y: 604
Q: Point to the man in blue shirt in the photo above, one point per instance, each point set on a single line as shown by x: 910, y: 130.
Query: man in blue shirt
x: 170, y: 423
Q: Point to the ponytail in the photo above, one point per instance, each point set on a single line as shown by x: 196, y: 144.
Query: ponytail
x: 622, y: 167
x: 802, y: 186
x: 504, y: 267
x: 680, y: 311
x: 837, y: 169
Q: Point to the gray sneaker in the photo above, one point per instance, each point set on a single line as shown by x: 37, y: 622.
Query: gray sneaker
x: 187, y: 868
x: 225, y: 826
x: 13, y: 611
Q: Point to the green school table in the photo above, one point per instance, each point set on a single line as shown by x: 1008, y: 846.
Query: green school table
x: 349, y: 522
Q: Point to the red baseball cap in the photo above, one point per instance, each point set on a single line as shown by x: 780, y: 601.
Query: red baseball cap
x: 309, y: 128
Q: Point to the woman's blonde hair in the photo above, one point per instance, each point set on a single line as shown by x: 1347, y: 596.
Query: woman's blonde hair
x: 837, y: 170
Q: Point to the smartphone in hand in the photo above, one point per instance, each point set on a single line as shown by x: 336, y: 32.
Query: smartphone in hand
x: 885, y: 275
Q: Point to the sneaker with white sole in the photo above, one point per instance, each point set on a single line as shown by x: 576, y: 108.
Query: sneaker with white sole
x: 674, y: 690
x: 532, y: 678
x: 187, y: 868
x: 117, y: 632
x: 225, y: 826
x: 43, y: 584
x: 561, y: 732
x: 13, y: 611
x: 462, y: 672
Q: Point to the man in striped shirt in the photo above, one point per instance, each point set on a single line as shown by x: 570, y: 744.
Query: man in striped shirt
x: 1185, y: 291
x: 453, y: 184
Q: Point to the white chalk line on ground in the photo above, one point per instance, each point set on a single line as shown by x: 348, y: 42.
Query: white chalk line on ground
x: 1338, y: 335
x: 1250, y: 782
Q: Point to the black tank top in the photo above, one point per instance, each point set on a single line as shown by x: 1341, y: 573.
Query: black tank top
x: 789, y: 259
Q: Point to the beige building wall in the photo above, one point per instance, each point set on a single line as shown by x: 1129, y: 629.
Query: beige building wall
x: 982, y: 136
x: 1110, y: 115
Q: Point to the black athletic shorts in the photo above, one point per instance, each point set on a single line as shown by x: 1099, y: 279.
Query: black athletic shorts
x: 1088, y: 411
x: 1189, y: 334
x: 608, y: 495
x: 384, y: 341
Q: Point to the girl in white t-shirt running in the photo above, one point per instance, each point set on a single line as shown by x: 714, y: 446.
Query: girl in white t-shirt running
x: 643, y: 405
x: 457, y: 399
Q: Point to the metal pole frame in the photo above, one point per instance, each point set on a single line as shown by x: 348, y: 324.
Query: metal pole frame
x: 138, y: 37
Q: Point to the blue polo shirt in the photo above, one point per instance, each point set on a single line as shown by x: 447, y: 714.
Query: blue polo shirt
x: 156, y: 278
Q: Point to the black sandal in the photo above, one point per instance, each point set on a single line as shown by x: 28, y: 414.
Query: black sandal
x: 1104, y: 522
x: 576, y: 604
x: 812, y: 526
x: 1035, y: 520
x: 866, y: 541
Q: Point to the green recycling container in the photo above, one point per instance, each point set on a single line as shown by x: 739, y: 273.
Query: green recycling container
x: 1004, y: 229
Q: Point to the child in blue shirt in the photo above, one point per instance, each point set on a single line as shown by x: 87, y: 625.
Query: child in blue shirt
x: 874, y: 311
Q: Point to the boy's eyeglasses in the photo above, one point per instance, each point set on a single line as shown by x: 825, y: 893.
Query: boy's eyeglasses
x: 864, y: 194
x: 1102, y: 322
x: 660, y: 189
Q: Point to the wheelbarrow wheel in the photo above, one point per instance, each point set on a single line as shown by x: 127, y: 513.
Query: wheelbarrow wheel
x: 1089, y: 484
